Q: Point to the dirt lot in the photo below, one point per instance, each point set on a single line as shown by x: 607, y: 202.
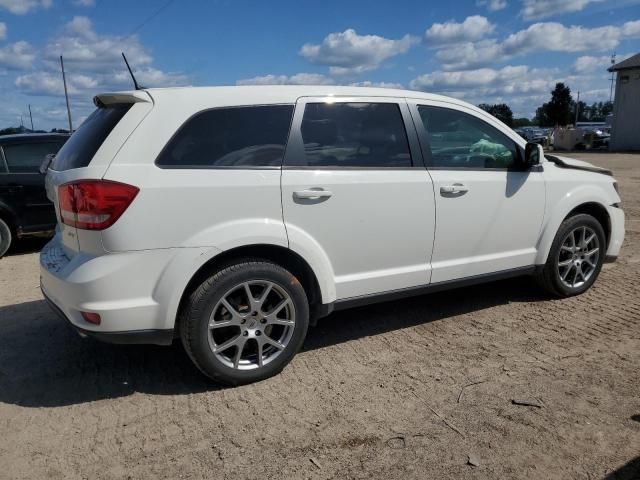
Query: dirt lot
x: 376, y: 391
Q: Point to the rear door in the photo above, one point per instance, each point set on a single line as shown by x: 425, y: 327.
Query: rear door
x: 88, y: 153
x: 25, y: 182
x: 355, y: 187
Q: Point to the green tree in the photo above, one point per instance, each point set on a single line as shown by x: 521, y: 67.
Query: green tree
x: 521, y: 122
x: 559, y: 109
x: 501, y: 111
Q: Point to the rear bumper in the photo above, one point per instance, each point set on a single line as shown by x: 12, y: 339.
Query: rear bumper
x: 136, y: 293
x: 152, y: 337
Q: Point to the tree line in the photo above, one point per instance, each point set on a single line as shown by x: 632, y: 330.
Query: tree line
x: 559, y: 110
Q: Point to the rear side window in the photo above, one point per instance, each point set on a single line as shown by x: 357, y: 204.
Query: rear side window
x: 27, y: 157
x: 230, y: 137
x: 86, y: 140
x: 354, y: 135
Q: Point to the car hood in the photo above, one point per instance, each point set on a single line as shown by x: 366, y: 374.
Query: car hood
x: 566, y: 162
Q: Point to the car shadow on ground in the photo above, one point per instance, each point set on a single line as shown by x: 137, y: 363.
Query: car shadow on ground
x: 44, y: 363
x: 629, y: 471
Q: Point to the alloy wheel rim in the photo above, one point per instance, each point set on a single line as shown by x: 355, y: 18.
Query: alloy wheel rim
x: 578, y: 257
x: 251, y: 325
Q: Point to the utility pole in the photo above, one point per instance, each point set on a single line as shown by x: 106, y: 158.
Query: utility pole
x: 575, y: 124
x: 66, y: 94
x: 31, y: 117
x: 613, y: 61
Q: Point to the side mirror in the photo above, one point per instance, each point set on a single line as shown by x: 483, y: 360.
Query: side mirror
x: 44, y: 166
x: 533, y: 154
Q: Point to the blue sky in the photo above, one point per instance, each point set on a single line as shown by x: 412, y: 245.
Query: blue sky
x: 491, y: 51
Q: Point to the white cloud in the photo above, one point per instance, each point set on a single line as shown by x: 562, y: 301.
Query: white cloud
x: 297, y: 79
x: 631, y: 29
x: 590, y: 64
x: 21, y: 7
x: 492, y: 5
x: 537, y: 9
x: 347, y: 52
x: 93, y: 63
x: 368, y: 83
x: 84, y: 3
x: 472, y: 28
x: 470, y: 55
x: 3, y: 30
x: 547, y: 36
x: 556, y: 37
x: 83, y: 48
x: 17, y: 56
x: 508, y: 80
x: 50, y: 83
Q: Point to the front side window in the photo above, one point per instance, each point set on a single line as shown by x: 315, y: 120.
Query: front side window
x: 27, y: 157
x: 354, y: 135
x: 461, y: 140
x: 230, y: 137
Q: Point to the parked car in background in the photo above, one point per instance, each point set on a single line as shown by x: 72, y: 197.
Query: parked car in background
x: 235, y: 217
x: 25, y: 209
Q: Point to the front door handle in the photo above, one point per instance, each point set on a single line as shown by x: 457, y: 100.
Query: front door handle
x: 455, y: 189
x: 312, y: 193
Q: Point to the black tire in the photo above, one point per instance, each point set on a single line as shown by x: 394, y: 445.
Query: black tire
x: 198, y: 309
x: 5, y: 237
x: 550, y: 278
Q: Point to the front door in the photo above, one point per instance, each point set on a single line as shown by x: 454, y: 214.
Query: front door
x: 354, y: 188
x: 489, y: 210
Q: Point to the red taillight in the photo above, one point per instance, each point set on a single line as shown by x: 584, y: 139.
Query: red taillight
x: 94, y: 204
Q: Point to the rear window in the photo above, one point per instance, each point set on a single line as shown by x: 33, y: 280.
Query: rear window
x: 27, y: 157
x: 86, y: 140
x: 237, y: 137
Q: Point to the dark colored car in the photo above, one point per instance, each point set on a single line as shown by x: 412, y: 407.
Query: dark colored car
x: 25, y: 209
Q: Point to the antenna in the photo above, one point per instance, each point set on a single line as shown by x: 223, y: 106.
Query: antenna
x: 135, y: 82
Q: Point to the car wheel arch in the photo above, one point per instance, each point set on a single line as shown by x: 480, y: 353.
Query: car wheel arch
x: 282, y: 256
x: 597, y: 211
x: 592, y: 206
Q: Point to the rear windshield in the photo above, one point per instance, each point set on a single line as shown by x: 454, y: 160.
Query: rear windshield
x: 86, y: 140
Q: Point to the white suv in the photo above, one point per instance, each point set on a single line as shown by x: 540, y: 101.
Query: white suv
x: 234, y: 217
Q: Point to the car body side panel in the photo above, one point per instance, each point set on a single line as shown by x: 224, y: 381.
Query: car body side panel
x: 568, y: 189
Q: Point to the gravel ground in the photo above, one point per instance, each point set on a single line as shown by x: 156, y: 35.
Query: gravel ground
x: 417, y: 388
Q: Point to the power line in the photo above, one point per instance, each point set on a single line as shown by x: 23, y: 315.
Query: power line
x: 148, y: 19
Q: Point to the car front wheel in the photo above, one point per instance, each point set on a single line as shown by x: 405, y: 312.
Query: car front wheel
x: 245, y: 322
x: 575, y: 258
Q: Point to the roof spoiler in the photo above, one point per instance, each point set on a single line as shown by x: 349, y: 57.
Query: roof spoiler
x: 121, y: 97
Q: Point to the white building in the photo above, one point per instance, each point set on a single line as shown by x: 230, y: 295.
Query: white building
x: 625, y: 130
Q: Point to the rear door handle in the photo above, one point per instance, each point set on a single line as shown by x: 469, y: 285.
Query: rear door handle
x: 455, y: 189
x: 312, y: 193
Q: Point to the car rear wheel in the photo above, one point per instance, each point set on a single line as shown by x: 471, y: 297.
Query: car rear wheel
x: 245, y: 322
x: 5, y: 237
x: 575, y: 258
